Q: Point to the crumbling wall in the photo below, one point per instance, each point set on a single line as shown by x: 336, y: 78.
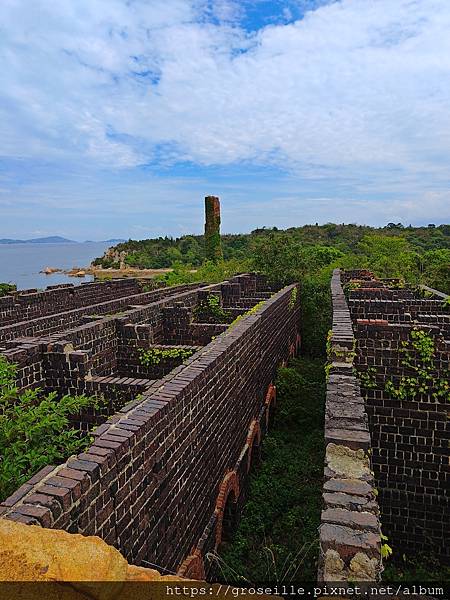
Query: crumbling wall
x: 410, y: 431
x: 350, y: 537
x: 213, y: 244
x: 156, y: 480
x: 55, y: 322
x: 29, y: 304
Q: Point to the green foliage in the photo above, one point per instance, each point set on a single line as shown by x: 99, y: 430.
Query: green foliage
x: 252, y: 311
x: 423, y: 566
x: 434, y: 269
x: 153, y: 356
x: 316, y: 311
x: 164, y: 251
x: 277, y: 537
x: 367, y: 378
x: 386, y: 550
x: 34, y: 430
x: 418, y: 255
x: 210, y: 310
x: 7, y: 288
x: 293, y: 299
x: 285, y: 260
x: 418, y: 354
x: 209, y: 272
x: 388, y: 256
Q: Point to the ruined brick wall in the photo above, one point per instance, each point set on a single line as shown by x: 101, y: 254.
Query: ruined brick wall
x: 350, y: 538
x: 29, y: 304
x: 158, y: 478
x: 54, y: 322
x: 410, y: 434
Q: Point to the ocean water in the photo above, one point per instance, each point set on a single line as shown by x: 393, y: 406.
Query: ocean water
x: 21, y: 263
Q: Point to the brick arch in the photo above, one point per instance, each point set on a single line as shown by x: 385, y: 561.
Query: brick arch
x: 254, y: 431
x: 193, y: 566
x: 229, y: 485
x: 271, y: 397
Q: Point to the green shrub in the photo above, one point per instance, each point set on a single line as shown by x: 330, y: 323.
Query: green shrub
x: 210, y: 310
x: 34, y: 430
x: 153, y: 356
x: 7, y: 288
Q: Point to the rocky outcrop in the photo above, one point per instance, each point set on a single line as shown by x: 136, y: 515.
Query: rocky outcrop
x: 31, y: 553
x: 51, y: 564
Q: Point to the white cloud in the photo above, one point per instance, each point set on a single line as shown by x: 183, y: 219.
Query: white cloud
x: 356, y: 91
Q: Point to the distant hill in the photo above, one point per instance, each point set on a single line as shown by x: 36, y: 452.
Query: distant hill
x: 112, y: 241
x: 54, y: 239
x: 57, y: 239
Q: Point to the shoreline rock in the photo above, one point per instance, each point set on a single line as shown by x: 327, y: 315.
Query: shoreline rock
x: 50, y: 270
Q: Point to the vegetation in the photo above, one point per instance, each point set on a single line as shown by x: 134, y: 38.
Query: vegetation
x: 153, y: 356
x: 277, y: 537
x: 7, y: 288
x: 420, y: 255
x: 35, y: 430
x: 422, y: 567
x: 210, y: 310
x: 209, y: 272
x: 417, y: 358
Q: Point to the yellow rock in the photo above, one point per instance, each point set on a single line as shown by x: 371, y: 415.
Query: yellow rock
x: 29, y: 552
x: 50, y: 564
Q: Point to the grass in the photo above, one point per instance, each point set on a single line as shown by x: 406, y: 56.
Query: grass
x: 277, y: 537
x: 421, y: 568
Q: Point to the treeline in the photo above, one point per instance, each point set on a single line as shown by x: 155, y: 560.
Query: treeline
x: 163, y: 252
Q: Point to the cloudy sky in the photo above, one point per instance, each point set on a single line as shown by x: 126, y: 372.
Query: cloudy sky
x: 118, y: 116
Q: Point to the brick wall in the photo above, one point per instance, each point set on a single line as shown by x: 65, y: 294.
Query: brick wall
x: 54, y: 322
x: 23, y: 306
x: 164, y: 470
x: 410, y: 434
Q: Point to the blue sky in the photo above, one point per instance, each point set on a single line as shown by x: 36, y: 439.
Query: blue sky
x: 118, y: 116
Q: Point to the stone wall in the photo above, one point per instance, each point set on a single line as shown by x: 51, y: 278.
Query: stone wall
x: 350, y: 538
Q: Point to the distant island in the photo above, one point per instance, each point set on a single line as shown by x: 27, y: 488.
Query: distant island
x: 56, y: 239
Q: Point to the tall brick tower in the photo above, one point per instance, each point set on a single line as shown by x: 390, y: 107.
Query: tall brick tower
x: 213, y: 244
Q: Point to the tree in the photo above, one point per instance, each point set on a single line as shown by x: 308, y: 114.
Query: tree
x: 389, y: 256
x: 436, y: 269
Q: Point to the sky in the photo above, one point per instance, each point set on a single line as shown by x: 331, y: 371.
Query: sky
x: 117, y: 117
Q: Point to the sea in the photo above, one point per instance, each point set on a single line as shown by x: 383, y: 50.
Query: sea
x: 21, y: 263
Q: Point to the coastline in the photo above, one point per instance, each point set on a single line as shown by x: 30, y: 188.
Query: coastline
x: 100, y: 273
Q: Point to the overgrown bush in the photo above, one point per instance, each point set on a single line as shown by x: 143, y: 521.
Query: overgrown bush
x: 208, y: 272
x: 34, y: 430
x: 209, y: 310
x: 277, y: 538
x: 316, y: 310
x: 7, y: 288
x: 153, y: 356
